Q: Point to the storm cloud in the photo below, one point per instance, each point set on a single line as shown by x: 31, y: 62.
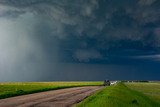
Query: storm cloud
x: 45, y: 40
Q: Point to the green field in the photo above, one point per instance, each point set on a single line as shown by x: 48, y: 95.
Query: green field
x: 119, y: 95
x: 125, y: 95
x: 152, y: 90
x: 20, y: 88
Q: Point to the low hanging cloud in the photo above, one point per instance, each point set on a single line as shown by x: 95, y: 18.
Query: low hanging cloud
x: 86, y: 55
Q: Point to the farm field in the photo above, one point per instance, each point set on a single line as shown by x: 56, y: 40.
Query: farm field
x: 20, y: 88
x: 125, y: 95
x: 151, y: 89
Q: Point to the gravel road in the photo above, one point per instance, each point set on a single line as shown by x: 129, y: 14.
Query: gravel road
x: 56, y: 98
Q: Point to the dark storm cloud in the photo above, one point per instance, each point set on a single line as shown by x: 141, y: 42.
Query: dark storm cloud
x: 111, y: 19
x: 146, y: 2
x: 52, y: 33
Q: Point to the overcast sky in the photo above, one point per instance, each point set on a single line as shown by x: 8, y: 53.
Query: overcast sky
x: 47, y: 40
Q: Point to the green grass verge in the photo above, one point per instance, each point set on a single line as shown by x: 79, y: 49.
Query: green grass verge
x: 118, y: 96
x: 20, y: 88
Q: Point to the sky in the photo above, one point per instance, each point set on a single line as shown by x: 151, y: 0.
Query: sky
x: 79, y: 40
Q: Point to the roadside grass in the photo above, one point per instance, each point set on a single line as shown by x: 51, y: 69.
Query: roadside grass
x: 10, y: 89
x: 118, y: 95
x: 152, y: 89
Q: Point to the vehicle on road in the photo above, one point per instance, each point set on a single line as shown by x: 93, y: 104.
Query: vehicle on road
x: 107, y: 83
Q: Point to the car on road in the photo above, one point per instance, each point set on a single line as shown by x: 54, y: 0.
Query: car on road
x: 107, y: 82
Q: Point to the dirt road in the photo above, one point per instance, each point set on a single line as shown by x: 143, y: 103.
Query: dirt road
x: 56, y: 98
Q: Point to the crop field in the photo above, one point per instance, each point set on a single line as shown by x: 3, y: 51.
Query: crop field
x: 125, y: 95
x: 151, y: 89
x: 20, y: 88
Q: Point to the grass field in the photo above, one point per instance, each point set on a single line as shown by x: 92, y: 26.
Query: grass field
x: 21, y: 88
x: 124, y: 95
x: 152, y: 90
